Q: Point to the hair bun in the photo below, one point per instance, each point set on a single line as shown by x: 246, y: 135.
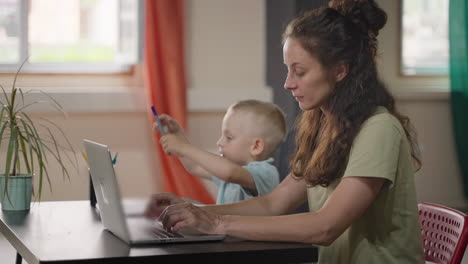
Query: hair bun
x: 364, y: 13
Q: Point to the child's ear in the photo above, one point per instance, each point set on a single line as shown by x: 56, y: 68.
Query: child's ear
x: 257, y: 147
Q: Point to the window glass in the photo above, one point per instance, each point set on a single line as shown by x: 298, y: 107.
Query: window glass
x: 425, y: 47
x: 69, y: 33
x: 128, y: 31
x: 9, y: 31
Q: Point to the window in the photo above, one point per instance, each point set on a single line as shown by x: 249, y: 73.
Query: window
x: 425, y: 46
x: 69, y: 36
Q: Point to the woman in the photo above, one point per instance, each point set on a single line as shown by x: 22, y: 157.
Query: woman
x: 355, y: 155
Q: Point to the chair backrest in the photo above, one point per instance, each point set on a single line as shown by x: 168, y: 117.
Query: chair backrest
x: 444, y: 233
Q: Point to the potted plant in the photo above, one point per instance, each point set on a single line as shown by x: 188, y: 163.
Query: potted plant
x: 27, y: 147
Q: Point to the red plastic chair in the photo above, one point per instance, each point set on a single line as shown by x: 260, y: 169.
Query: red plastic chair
x: 444, y: 233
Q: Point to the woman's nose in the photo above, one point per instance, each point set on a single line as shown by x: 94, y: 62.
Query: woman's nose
x: 289, y: 83
x: 219, y: 142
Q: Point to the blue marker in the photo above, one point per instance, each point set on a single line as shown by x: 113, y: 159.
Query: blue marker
x: 158, y: 121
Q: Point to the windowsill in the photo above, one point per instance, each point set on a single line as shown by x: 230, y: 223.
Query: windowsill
x: 133, y: 99
x: 415, y: 94
x: 100, y: 99
x: 68, y: 68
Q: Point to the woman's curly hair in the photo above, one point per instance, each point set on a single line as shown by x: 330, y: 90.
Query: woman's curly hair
x: 345, y: 32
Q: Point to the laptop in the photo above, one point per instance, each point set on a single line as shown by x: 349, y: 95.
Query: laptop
x: 134, y: 229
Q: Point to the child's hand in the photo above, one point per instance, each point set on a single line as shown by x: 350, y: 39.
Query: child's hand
x: 174, y: 144
x: 170, y: 125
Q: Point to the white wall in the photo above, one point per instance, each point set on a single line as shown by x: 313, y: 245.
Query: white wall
x: 225, y: 52
x: 426, y: 100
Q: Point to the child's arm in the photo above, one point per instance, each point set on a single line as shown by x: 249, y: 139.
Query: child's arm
x: 195, y: 169
x: 215, y: 165
x: 172, y: 127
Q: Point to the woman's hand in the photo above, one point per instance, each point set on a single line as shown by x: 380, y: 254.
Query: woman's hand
x: 184, y: 215
x: 159, y: 202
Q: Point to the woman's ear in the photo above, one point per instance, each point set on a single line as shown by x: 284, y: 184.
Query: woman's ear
x: 257, y: 147
x: 341, y: 70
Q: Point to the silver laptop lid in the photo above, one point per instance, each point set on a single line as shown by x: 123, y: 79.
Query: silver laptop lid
x: 139, y: 230
x: 106, y: 189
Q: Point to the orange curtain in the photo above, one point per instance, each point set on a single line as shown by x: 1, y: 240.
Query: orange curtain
x: 166, y: 87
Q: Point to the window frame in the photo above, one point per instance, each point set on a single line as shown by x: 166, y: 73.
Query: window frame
x: 401, y: 69
x: 69, y: 67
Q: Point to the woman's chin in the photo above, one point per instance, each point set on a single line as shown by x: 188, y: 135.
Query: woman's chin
x: 304, y: 107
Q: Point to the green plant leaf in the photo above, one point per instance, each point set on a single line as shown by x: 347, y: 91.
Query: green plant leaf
x: 16, y: 162
x: 13, y: 87
x: 57, y: 157
x: 30, y: 142
x: 39, y: 151
x: 70, y: 146
x: 10, y: 153
x: 2, y: 110
x: 55, y: 103
x: 24, y: 151
x: 12, y: 102
x: 22, y: 96
x: 26, y: 147
x: 2, y: 129
x: 6, y: 97
x: 3, y: 125
x: 42, y: 102
x: 42, y: 170
x: 37, y: 137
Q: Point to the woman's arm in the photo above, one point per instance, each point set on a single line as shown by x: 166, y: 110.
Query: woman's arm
x: 347, y: 203
x: 285, y: 198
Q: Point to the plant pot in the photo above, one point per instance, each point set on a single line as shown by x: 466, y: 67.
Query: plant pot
x: 19, y: 191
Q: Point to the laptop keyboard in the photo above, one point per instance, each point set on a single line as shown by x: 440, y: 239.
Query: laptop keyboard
x: 161, y: 233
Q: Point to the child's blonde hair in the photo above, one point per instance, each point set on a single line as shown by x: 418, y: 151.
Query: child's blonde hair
x: 271, y: 122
